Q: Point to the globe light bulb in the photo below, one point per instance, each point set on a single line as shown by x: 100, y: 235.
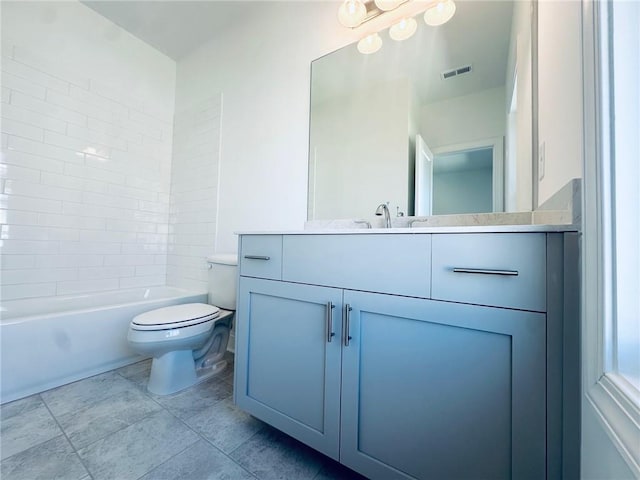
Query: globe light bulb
x: 370, y: 44
x: 386, y: 5
x: 440, y: 13
x: 403, y: 29
x: 351, y: 13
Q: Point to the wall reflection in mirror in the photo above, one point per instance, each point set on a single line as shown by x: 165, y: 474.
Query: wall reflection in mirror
x: 440, y: 123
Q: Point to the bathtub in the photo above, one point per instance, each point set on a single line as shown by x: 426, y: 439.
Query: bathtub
x: 48, y: 342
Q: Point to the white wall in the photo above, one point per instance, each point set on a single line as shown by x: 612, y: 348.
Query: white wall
x: 86, y: 153
x: 559, y: 94
x: 262, y: 67
x: 360, y: 152
x: 463, y: 119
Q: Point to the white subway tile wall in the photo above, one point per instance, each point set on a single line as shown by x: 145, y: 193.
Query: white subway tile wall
x: 194, y: 193
x: 84, y: 182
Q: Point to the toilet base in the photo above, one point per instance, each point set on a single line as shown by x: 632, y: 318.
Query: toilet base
x: 172, y: 372
x: 205, y: 373
x: 175, y: 371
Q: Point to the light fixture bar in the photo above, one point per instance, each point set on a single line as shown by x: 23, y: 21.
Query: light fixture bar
x: 373, y: 11
x: 377, y: 20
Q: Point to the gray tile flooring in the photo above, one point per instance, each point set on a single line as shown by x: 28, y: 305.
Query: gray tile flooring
x: 110, y: 427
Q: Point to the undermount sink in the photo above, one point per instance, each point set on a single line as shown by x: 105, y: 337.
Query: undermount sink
x: 339, y: 224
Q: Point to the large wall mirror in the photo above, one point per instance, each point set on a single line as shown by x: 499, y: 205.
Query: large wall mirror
x: 440, y: 123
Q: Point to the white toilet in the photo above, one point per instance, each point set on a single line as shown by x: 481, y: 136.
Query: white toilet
x: 188, y: 341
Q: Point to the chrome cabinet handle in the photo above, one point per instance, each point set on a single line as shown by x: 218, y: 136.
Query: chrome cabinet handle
x: 257, y: 257
x: 484, y: 271
x: 347, y: 337
x: 330, y: 332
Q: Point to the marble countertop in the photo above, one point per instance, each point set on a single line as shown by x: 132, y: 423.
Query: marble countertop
x: 497, y: 222
x: 414, y: 230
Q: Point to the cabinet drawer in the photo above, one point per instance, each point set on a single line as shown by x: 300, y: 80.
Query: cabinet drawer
x: 503, y: 270
x: 389, y: 263
x: 261, y: 256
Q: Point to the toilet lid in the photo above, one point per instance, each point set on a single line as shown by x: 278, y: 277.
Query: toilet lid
x: 175, y: 316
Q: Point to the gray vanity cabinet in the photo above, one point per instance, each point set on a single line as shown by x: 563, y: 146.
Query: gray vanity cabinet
x: 398, y: 368
x: 442, y: 390
x: 287, y: 370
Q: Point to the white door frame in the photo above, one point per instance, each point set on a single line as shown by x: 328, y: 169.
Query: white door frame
x: 423, y: 205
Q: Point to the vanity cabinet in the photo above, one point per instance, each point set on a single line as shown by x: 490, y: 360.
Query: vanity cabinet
x: 287, y: 370
x: 391, y: 381
x: 442, y: 390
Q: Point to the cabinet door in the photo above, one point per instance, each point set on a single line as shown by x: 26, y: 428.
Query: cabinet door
x: 435, y: 389
x: 287, y: 370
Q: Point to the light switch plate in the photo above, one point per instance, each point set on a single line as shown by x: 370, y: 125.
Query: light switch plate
x: 542, y: 158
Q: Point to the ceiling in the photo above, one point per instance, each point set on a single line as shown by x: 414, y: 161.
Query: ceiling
x: 175, y: 28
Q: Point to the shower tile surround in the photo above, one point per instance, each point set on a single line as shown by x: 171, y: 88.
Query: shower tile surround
x: 109, y: 426
x: 86, y: 183
x: 101, y: 190
x: 194, y: 192
x: 86, y: 176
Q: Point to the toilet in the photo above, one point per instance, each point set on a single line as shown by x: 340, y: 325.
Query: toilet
x: 188, y: 341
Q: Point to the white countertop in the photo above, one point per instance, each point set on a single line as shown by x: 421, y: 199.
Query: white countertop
x: 452, y: 229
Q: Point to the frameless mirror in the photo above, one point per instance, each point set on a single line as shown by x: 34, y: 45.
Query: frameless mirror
x: 440, y: 123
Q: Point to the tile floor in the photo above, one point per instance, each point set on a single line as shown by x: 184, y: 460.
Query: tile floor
x: 110, y: 427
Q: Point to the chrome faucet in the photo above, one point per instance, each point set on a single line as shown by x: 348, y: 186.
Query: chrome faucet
x: 384, y: 209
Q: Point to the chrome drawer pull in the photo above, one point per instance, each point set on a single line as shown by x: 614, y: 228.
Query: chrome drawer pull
x: 513, y: 273
x: 257, y: 257
x: 330, y: 332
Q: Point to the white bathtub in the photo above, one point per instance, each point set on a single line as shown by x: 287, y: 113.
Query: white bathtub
x: 48, y: 342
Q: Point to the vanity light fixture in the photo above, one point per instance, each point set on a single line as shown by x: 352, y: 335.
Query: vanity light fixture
x: 352, y: 13
x: 440, y: 13
x: 397, y: 15
x: 386, y: 5
x: 370, y: 44
x: 404, y: 29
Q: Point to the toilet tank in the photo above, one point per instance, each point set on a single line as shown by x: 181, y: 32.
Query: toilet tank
x: 222, y: 280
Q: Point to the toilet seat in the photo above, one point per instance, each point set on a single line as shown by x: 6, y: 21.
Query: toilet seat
x: 175, y: 316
